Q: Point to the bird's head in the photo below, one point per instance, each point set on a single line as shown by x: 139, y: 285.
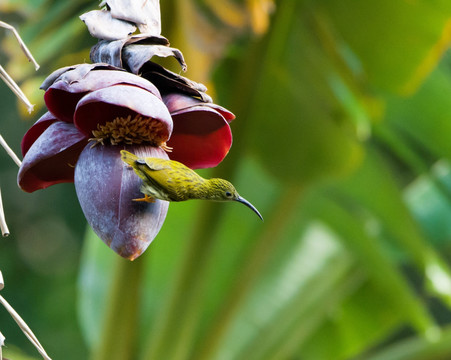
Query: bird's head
x: 222, y: 190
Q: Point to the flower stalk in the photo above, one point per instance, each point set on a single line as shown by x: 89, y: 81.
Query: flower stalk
x: 120, y: 325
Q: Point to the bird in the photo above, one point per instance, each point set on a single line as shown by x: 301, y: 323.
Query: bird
x: 171, y: 180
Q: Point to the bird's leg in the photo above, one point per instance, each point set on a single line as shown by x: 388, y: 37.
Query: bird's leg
x: 146, y: 198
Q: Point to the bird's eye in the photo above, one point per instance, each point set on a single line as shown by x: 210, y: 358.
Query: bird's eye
x: 228, y: 194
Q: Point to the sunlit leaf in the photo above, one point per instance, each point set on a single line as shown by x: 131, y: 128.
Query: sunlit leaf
x: 296, y: 295
x: 428, y: 199
x: 416, y: 348
x: 260, y: 11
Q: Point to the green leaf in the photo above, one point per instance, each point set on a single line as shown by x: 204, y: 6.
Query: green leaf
x: 300, y: 131
x: 397, y: 42
x: 425, y: 116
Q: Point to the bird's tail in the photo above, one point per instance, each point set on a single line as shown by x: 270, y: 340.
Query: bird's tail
x: 128, y: 157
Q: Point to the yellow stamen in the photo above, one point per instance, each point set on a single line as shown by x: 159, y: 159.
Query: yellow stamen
x: 130, y: 131
x: 165, y: 147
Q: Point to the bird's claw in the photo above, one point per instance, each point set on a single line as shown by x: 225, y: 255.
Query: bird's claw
x: 146, y: 198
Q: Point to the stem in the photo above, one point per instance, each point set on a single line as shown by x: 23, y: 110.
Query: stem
x: 15, y: 88
x: 10, y: 152
x: 120, y: 327
x: 24, y: 327
x: 3, y: 225
x: 257, y: 261
x: 21, y: 43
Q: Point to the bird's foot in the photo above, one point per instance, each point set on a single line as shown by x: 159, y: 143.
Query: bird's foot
x: 146, y: 198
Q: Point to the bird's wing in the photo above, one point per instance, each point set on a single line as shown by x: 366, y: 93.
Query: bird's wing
x: 173, y: 177
x: 159, y: 175
x: 157, y: 164
x: 157, y: 171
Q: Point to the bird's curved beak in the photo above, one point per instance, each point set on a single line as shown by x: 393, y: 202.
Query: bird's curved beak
x: 249, y: 205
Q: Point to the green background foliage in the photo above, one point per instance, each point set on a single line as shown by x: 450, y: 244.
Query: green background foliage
x: 342, y: 141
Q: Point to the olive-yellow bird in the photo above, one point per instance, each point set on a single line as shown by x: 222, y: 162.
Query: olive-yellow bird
x: 172, y: 181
